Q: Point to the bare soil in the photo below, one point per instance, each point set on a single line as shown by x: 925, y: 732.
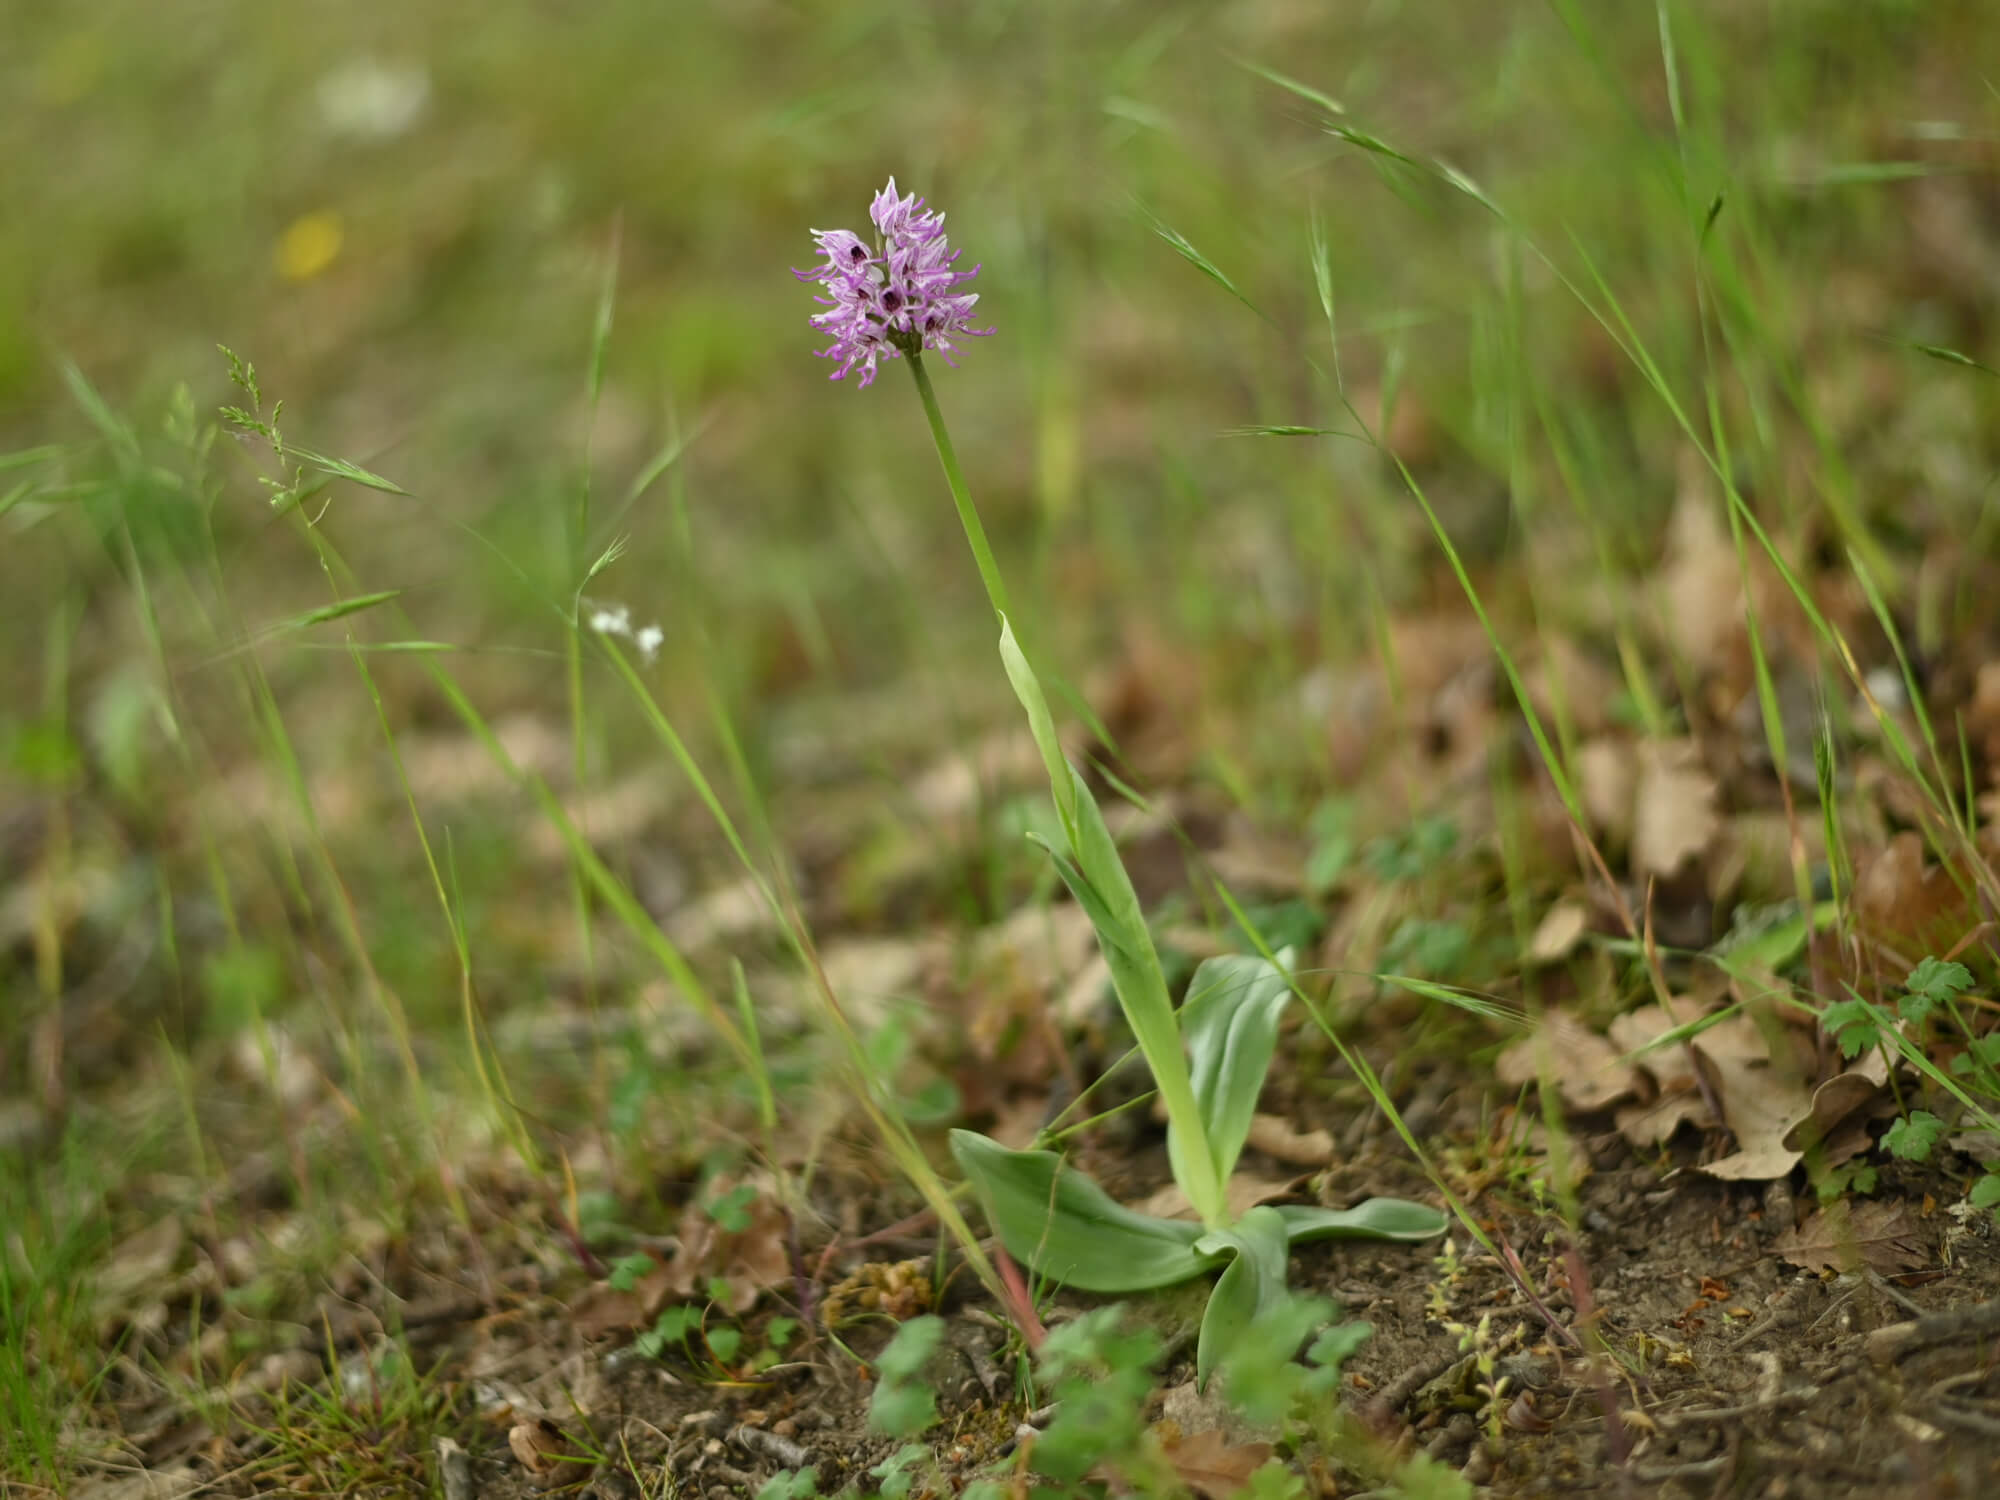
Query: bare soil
x: 1724, y: 1371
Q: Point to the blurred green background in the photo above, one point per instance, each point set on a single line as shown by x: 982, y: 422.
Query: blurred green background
x: 412, y: 218
x: 403, y: 216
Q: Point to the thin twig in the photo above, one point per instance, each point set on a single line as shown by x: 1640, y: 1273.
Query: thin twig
x: 1616, y: 1439
x: 1695, y: 1470
x: 1883, y: 1285
x: 1886, y: 1345
x: 1971, y: 1421
x: 1518, y: 1274
x: 1396, y: 1392
x: 779, y: 1450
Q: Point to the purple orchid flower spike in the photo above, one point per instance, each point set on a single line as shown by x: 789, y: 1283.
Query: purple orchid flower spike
x: 895, y: 297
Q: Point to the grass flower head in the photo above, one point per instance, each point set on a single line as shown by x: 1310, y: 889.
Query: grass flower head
x: 895, y: 295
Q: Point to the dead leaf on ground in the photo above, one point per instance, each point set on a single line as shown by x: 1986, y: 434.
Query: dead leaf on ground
x: 1760, y: 1104
x: 1245, y: 1191
x: 1982, y: 714
x: 1847, y: 1235
x: 1679, y: 1101
x: 542, y: 1450
x: 1911, y: 905
x: 749, y: 1261
x: 605, y: 1309
x: 1655, y: 1123
x: 1259, y: 863
x: 1674, y: 815
x: 1302, y: 1148
x: 1701, y: 586
x: 1606, y: 776
x: 1586, y: 1068
x: 1017, y: 967
x: 1150, y: 699
x: 1084, y: 996
x: 1559, y: 933
x: 1045, y: 944
x: 1588, y: 689
x: 608, y: 815
x: 953, y: 788
x: 1835, y: 1101
x: 454, y: 768
x: 730, y: 913
x: 1215, y: 1468
x: 1635, y: 1030
x: 1775, y: 1119
x: 869, y: 974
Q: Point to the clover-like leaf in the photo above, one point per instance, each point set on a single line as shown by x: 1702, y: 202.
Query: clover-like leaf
x: 1068, y: 1228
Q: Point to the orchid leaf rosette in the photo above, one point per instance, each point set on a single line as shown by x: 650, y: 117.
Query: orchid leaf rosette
x: 897, y: 296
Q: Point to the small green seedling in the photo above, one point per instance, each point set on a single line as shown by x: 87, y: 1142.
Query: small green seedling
x: 897, y: 1474
x: 1209, y: 1061
x: 790, y: 1484
x: 904, y: 1403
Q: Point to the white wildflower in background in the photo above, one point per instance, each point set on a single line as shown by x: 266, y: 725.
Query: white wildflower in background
x: 365, y: 99
x: 616, y: 619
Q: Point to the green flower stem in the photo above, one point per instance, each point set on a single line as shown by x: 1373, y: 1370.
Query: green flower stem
x: 1092, y: 868
x: 968, y: 515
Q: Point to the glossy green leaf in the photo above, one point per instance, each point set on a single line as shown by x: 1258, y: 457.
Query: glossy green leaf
x: 1252, y: 1282
x: 1057, y: 1220
x: 1230, y: 1022
x: 1375, y: 1219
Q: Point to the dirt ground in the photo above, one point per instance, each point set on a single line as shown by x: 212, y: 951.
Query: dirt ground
x: 1731, y: 1371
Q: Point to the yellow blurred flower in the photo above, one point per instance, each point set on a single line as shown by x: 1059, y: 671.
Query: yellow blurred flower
x: 309, y: 245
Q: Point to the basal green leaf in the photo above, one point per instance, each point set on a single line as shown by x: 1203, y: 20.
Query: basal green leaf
x: 1230, y: 1022
x: 1253, y: 1282
x: 1376, y: 1219
x: 1068, y: 1228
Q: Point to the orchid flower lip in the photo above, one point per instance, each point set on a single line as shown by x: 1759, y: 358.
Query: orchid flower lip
x: 894, y: 297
